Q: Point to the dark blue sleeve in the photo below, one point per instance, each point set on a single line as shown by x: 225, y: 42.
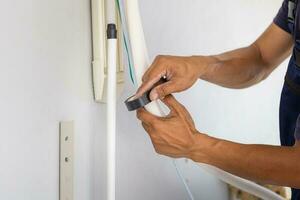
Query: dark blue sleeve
x: 297, y: 130
x: 281, y: 18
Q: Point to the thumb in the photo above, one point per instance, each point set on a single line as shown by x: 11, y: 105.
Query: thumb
x: 171, y: 102
x: 162, y: 90
x: 177, y: 108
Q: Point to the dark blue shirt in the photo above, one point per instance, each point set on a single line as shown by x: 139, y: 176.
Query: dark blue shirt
x: 288, y: 19
x: 282, y: 20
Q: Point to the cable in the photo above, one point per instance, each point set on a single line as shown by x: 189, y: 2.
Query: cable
x: 179, y: 173
x: 126, y: 41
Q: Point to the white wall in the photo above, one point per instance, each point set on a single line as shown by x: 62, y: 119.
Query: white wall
x: 45, y: 77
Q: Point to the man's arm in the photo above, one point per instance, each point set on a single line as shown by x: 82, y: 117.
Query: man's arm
x: 176, y: 136
x: 247, y: 66
x: 236, y: 69
x: 261, y: 163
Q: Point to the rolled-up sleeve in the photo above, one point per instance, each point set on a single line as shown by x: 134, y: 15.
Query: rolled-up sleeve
x: 281, y: 18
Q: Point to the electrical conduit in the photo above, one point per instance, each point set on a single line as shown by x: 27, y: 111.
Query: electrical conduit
x: 111, y: 97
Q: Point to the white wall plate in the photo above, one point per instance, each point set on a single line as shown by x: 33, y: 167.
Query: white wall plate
x: 66, y: 161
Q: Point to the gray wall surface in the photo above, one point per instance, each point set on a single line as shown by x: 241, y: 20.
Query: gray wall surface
x: 45, y: 77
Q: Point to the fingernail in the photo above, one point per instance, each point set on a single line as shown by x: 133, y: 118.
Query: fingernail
x: 153, y: 96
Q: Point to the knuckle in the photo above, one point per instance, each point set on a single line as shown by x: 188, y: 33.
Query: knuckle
x: 157, y: 150
x: 145, y: 76
x: 155, y: 125
x: 186, y: 145
x: 158, y: 57
x: 139, y: 115
x: 161, y: 91
x: 161, y: 58
x: 144, y: 125
x: 159, y: 127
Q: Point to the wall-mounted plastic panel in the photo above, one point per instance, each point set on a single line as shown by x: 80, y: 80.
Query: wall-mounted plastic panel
x: 100, y: 52
x: 66, y: 163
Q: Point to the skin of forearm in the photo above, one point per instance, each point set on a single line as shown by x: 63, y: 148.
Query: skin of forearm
x: 236, y: 69
x: 247, y: 66
x: 261, y: 163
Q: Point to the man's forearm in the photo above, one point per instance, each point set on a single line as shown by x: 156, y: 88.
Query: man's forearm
x: 247, y: 66
x: 261, y: 163
x: 240, y: 68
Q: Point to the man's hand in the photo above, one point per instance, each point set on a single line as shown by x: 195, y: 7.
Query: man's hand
x: 176, y: 136
x: 240, y: 68
x: 173, y: 135
x: 181, y: 73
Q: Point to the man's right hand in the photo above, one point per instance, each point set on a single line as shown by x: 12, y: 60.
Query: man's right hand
x: 240, y: 68
x: 181, y: 73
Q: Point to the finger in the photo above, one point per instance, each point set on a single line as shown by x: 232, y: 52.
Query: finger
x: 160, y: 91
x: 156, y: 67
x: 151, y: 132
x: 145, y: 116
x: 147, y: 128
x: 156, y: 71
x: 147, y: 85
x: 171, y: 102
x: 176, y: 107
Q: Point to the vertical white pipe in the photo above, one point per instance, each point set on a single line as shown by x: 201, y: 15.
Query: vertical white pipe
x: 111, y: 118
x: 111, y: 98
x: 111, y: 12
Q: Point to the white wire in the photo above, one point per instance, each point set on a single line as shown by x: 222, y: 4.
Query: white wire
x: 179, y: 173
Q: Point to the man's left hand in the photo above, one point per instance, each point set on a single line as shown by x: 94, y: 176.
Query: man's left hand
x: 173, y: 135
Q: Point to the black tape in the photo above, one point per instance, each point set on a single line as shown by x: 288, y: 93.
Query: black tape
x: 133, y: 103
x: 111, y: 31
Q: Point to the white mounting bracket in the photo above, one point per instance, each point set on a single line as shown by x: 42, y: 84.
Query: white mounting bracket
x: 66, y: 161
x: 100, y: 52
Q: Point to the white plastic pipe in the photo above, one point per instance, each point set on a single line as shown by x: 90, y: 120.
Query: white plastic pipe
x: 111, y: 12
x: 112, y: 56
x: 245, y: 185
x: 111, y: 117
x: 141, y: 63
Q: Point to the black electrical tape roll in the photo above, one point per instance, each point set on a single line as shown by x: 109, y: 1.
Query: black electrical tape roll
x: 133, y: 103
